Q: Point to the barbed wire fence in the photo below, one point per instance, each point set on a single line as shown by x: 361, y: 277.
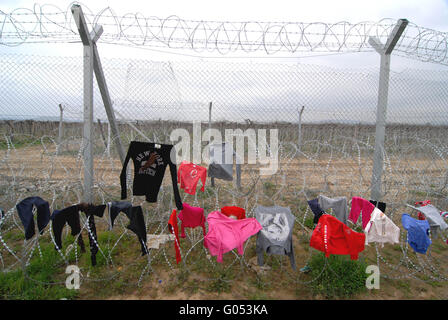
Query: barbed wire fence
x: 331, y: 154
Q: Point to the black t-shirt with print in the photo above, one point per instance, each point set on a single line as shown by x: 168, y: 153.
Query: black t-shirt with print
x: 150, y: 162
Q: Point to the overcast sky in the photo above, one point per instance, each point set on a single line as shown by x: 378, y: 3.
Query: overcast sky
x: 430, y: 90
x: 426, y: 13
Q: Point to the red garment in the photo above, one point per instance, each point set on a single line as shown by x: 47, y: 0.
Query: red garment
x: 173, y: 228
x: 420, y: 215
x: 188, y: 176
x: 191, y: 217
x: 331, y: 236
x: 238, y: 212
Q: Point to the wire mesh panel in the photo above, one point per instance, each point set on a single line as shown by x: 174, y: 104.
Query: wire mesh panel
x: 327, y: 149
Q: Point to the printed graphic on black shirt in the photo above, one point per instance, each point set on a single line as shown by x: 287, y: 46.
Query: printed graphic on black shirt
x: 149, y: 162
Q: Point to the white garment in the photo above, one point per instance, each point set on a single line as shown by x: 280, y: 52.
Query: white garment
x: 381, y: 229
x: 155, y: 240
x: 432, y: 214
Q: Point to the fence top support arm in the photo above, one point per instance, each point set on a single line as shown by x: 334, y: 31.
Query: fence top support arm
x: 81, y: 25
x: 392, y: 40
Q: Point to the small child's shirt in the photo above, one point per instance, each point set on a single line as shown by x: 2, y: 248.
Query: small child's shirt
x: 189, y: 175
x: 276, y: 235
x: 418, y: 233
x: 381, y: 229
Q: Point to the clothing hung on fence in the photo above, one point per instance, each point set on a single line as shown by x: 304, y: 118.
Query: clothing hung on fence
x: 136, y: 220
x: 70, y: 216
x: 225, y: 234
x: 275, y: 237
x: 339, y: 206
x: 418, y: 233
x: 150, y: 162
x: 155, y: 240
x: 381, y: 229
x: 434, y: 218
x: 221, y: 162
x: 191, y: 217
x: 174, y: 229
x: 234, y: 212
x: 25, y: 211
x: 91, y: 211
x: 189, y: 175
x: 363, y: 207
x: 138, y: 226
x: 331, y: 236
x: 115, y: 207
x: 316, y: 209
x: 421, y: 216
x: 380, y: 205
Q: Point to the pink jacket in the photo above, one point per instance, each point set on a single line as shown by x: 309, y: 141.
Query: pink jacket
x: 225, y: 234
x: 361, y: 205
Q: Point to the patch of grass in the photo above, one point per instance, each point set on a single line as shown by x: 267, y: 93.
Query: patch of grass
x: 44, y: 279
x: 192, y: 286
x: 269, y: 188
x: 222, y: 281
x: 258, y: 296
x: 340, y: 278
x: 260, y: 283
x: 19, y: 141
x: 309, y: 223
x: 438, y: 247
x: 403, y: 286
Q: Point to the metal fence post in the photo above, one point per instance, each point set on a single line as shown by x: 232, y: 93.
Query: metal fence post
x: 92, y: 64
x: 60, y: 131
x: 87, y: 100
x: 299, y: 138
x: 378, y: 156
x: 212, y: 180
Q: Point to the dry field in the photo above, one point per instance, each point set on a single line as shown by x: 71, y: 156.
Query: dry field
x: 37, y: 170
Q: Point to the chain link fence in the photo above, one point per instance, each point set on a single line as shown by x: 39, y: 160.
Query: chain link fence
x: 325, y: 119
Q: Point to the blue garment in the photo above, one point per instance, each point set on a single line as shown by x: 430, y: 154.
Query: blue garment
x: 317, y: 210
x: 25, y: 211
x: 60, y: 218
x: 418, y: 233
x: 91, y: 211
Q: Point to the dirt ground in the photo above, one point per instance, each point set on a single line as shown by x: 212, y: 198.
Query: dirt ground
x: 34, y: 170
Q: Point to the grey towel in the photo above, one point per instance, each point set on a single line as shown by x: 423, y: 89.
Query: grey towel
x: 435, y: 220
x: 339, y: 206
x: 221, y: 162
x: 276, y: 235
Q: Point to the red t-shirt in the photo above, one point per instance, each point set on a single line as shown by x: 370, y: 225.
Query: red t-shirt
x: 189, y: 175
